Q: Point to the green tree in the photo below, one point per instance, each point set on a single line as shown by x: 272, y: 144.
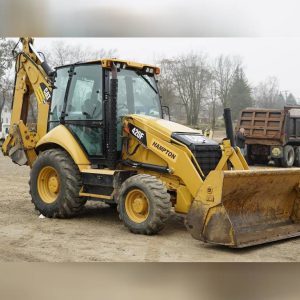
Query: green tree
x: 291, y: 100
x: 240, y: 93
x: 279, y: 101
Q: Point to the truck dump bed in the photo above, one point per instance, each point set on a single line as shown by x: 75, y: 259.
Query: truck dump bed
x: 262, y: 126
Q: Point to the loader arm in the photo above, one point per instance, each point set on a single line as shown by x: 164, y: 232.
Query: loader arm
x: 32, y: 78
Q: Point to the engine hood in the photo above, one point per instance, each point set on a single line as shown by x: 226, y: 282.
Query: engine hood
x: 165, y: 126
x: 183, y: 134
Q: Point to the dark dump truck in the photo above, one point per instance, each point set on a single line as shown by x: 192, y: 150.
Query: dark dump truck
x: 272, y: 135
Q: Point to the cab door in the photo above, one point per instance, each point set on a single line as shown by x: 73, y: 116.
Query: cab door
x: 82, y: 107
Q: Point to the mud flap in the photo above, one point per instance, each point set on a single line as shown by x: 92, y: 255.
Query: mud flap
x: 244, y: 208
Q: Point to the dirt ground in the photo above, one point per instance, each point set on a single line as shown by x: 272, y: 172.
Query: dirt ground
x: 98, y: 235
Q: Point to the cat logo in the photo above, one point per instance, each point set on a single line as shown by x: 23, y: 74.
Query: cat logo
x: 45, y: 94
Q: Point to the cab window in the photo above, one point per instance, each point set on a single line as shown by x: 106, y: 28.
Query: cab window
x: 85, y: 94
x: 84, y: 108
x: 58, y: 95
x: 137, y: 94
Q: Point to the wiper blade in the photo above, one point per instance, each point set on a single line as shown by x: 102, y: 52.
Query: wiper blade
x: 149, y: 83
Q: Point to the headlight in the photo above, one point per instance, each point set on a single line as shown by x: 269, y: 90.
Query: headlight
x: 276, y: 151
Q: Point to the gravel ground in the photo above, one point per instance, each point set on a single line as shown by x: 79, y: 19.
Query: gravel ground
x: 98, y: 235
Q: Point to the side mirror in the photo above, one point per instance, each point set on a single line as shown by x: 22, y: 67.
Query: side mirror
x: 166, y: 112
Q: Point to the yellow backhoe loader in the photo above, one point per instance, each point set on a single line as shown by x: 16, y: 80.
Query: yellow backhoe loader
x: 100, y: 135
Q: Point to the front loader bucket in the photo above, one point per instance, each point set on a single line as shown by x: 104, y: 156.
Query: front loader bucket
x: 244, y: 208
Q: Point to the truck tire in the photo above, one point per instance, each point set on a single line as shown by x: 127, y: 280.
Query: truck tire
x: 144, y: 204
x: 277, y: 162
x: 288, y: 158
x: 297, y: 156
x: 249, y: 158
x: 55, y: 182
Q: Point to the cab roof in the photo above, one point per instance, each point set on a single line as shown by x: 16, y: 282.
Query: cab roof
x: 107, y: 62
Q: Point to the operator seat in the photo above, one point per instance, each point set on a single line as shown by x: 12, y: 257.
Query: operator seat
x: 92, y: 135
x: 92, y: 108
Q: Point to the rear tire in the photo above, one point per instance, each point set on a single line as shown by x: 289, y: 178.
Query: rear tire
x: 144, y: 204
x: 288, y: 158
x: 55, y: 183
x: 297, y: 156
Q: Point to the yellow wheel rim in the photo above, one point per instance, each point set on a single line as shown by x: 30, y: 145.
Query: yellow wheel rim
x: 48, y: 184
x: 137, y: 206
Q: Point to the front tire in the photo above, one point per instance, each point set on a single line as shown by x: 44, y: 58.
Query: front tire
x: 55, y: 183
x: 144, y: 204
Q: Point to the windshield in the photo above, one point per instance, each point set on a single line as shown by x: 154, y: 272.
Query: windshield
x: 137, y: 94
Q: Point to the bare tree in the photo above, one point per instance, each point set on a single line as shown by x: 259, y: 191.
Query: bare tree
x: 168, y: 91
x: 6, y: 58
x: 6, y: 83
x: 224, y: 69
x: 267, y: 95
x: 62, y: 53
x: 213, y: 99
x: 6, y: 90
x: 166, y: 82
x: 190, y: 76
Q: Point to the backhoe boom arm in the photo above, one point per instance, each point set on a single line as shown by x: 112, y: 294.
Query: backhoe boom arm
x: 33, y: 78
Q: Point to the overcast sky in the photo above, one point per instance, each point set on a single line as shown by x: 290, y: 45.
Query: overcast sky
x: 151, y: 18
x: 262, y: 57
x: 244, y: 25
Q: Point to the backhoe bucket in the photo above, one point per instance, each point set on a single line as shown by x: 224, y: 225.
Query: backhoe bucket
x: 244, y: 208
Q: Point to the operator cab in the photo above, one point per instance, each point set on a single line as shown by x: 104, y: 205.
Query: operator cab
x: 80, y: 101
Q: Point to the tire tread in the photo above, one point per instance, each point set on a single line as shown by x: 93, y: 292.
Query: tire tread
x: 71, y: 203
x: 161, y: 203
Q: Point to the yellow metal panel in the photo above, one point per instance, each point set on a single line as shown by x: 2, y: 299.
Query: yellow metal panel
x: 61, y: 136
x: 163, y: 126
x: 106, y: 63
x: 165, y: 151
x: 36, y: 76
x: 81, y: 194
x: 99, y: 171
x: 20, y: 90
x: 184, y: 199
x: 174, y: 155
x: 143, y: 155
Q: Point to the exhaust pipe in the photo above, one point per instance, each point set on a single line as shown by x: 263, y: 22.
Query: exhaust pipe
x: 112, y: 119
x: 229, y: 127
